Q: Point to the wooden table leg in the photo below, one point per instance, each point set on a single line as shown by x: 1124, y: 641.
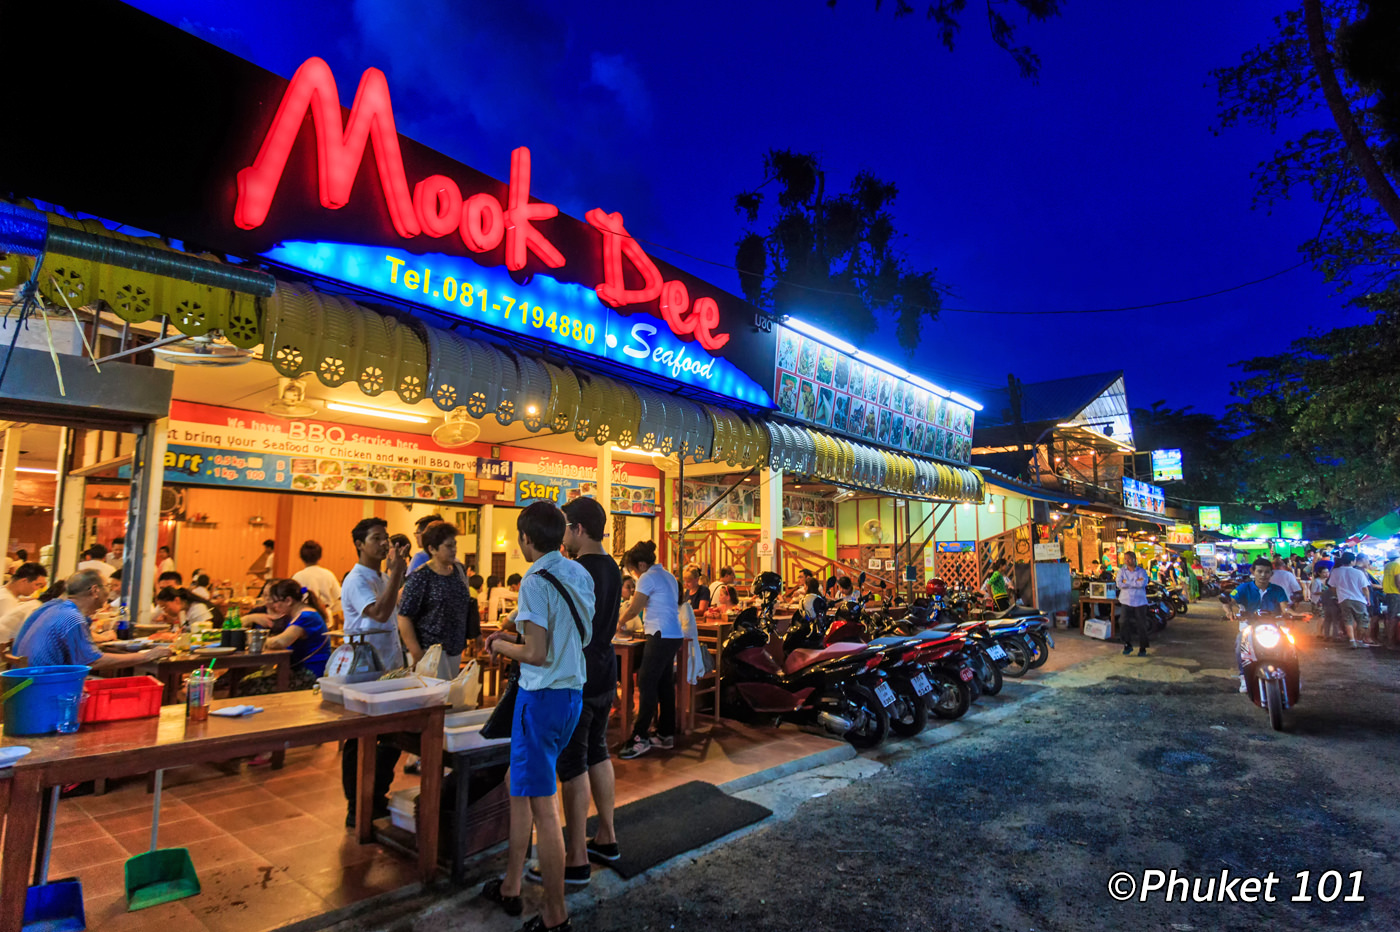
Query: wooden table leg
x: 364, y: 788
x: 430, y: 795
x: 284, y: 674
x: 21, y: 823
x: 625, y: 675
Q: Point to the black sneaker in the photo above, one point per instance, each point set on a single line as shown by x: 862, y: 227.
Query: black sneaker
x: 575, y: 878
x: 603, y: 854
x: 1127, y: 649
x: 511, y: 904
x: 1142, y: 652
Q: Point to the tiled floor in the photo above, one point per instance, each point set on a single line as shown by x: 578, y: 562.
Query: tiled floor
x: 271, y: 847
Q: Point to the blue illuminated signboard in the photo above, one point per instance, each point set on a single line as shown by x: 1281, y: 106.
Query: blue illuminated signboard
x: 568, y: 315
x: 1166, y: 465
x: 1140, y: 496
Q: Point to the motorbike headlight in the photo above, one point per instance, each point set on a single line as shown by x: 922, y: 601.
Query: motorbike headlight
x: 1266, y: 636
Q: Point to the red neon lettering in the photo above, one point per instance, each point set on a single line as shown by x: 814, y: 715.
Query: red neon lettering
x: 483, y: 223
x: 437, y: 202
x: 520, y: 216
x: 675, y: 301
x: 616, y: 244
x: 339, y: 149
x: 706, y: 318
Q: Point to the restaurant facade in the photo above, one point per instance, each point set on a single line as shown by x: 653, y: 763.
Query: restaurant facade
x: 348, y: 323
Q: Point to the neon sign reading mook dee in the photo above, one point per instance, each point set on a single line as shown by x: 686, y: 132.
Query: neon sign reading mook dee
x: 436, y: 208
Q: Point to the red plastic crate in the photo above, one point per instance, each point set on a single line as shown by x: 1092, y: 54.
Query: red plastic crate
x: 121, y: 697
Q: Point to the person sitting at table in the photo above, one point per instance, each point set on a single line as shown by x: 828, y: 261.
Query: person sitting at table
x: 726, y: 591
x: 800, y: 589
x: 27, y: 579
x: 317, y: 578
x: 501, y: 601
x: 809, y: 600
x: 188, y: 608
x: 696, y: 592
x: 305, y: 635
x: 57, y: 632
x: 636, y: 624
x: 201, y: 585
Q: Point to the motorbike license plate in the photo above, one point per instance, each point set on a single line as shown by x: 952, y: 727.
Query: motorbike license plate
x: 996, y: 653
x: 920, y: 683
x: 885, y: 694
x: 1049, y: 639
x: 966, y: 674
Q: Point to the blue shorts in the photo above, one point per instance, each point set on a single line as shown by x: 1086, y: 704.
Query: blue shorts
x: 543, y: 724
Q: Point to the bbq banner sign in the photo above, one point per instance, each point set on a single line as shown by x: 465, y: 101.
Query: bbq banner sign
x: 234, y: 159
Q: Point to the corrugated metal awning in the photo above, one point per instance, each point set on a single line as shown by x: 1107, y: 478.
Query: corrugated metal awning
x: 808, y: 452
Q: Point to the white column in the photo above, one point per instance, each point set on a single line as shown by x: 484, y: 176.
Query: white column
x: 485, y: 539
x: 152, y: 484
x: 770, y: 517
x: 7, y: 485
x: 70, y: 527
x: 605, y: 473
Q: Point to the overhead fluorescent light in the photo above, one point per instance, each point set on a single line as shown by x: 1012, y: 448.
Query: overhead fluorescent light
x: 375, y: 412
x: 45, y: 472
x: 635, y: 451
x: 1067, y: 424
x: 963, y: 399
x: 922, y: 382
x: 880, y: 364
x: 817, y: 333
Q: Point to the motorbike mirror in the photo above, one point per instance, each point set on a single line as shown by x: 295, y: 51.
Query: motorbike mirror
x: 819, y: 605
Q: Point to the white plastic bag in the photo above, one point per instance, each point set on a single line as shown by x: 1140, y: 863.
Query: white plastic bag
x: 466, y: 688
x: 431, y: 663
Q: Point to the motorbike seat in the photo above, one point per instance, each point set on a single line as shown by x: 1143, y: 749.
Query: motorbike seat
x: 804, y: 657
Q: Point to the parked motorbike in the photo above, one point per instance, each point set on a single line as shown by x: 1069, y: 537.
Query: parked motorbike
x: 837, y: 687
x: 1269, y: 658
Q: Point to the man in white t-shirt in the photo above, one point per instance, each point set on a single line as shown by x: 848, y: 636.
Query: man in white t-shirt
x: 95, y: 559
x: 1352, y: 586
x: 549, y: 697
x: 1283, y: 578
x: 368, y: 598
x: 316, y: 578
x: 28, y: 579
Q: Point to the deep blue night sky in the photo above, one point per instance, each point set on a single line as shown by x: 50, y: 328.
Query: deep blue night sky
x: 1100, y: 186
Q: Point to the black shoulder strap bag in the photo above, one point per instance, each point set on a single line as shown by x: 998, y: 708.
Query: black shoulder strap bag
x: 499, y: 724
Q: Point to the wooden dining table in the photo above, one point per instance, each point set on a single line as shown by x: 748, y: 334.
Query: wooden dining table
x: 145, y: 745
x: 629, y: 658
x: 172, y: 670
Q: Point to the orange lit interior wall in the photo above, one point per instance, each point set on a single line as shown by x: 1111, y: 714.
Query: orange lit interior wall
x: 226, y: 551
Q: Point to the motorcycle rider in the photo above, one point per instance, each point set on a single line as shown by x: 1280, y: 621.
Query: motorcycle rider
x: 1256, y: 594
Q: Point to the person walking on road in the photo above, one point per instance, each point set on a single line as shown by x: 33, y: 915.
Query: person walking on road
x: 1390, y: 592
x: 1353, y: 587
x: 1132, y: 603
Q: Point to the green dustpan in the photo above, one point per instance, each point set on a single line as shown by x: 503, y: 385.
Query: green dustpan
x: 159, y: 875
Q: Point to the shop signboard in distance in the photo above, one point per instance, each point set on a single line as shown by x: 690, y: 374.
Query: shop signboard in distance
x: 499, y: 470
x: 1047, y: 551
x: 955, y: 546
x: 1205, y: 550
x: 1291, y: 530
x: 249, y: 163
x: 531, y: 488
x: 637, y: 500
x: 1209, y: 517
x: 1256, y: 531
x: 1141, y: 496
x: 1181, y: 534
x: 1166, y: 465
x: 852, y: 393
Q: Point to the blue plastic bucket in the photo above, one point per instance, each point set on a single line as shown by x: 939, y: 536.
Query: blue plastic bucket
x: 39, y: 707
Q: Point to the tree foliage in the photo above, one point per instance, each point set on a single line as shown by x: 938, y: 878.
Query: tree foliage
x: 1208, y: 466
x: 1320, y: 425
x: 1277, y: 83
x: 830, y: 259
x: 946, y: 15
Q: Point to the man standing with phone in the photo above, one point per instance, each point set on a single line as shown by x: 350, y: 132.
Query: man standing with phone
x: 368, y: 598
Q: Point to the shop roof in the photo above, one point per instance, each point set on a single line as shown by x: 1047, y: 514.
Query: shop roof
x: 1055, y: 400
x: 1002, y: 481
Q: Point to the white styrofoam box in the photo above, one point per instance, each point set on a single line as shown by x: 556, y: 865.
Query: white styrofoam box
x: 468, y: 737
x: 1098, y: 629
x: 402, y: 807
x: 385, y: 697
x: 332, y: 687
x: 476, y: 717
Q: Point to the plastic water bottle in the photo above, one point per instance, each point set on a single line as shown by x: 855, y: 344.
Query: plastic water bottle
x: 123, y: 623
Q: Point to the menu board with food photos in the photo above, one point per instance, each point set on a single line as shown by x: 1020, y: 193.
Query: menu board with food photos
x: 808, y: 511
x: 324, y: 476
x: 633, y: 500
x: 834, y: 391
x: 739, y: 505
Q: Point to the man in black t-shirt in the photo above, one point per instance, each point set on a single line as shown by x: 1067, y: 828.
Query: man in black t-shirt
x: 585, y: 768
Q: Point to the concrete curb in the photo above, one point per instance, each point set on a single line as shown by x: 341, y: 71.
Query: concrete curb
x: 831, y: 755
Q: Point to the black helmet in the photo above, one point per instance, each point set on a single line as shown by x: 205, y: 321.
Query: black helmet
x: 768, y: 583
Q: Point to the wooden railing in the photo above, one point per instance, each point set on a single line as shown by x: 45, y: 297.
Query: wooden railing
x: 714, y: 549
x: 792, y: 559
